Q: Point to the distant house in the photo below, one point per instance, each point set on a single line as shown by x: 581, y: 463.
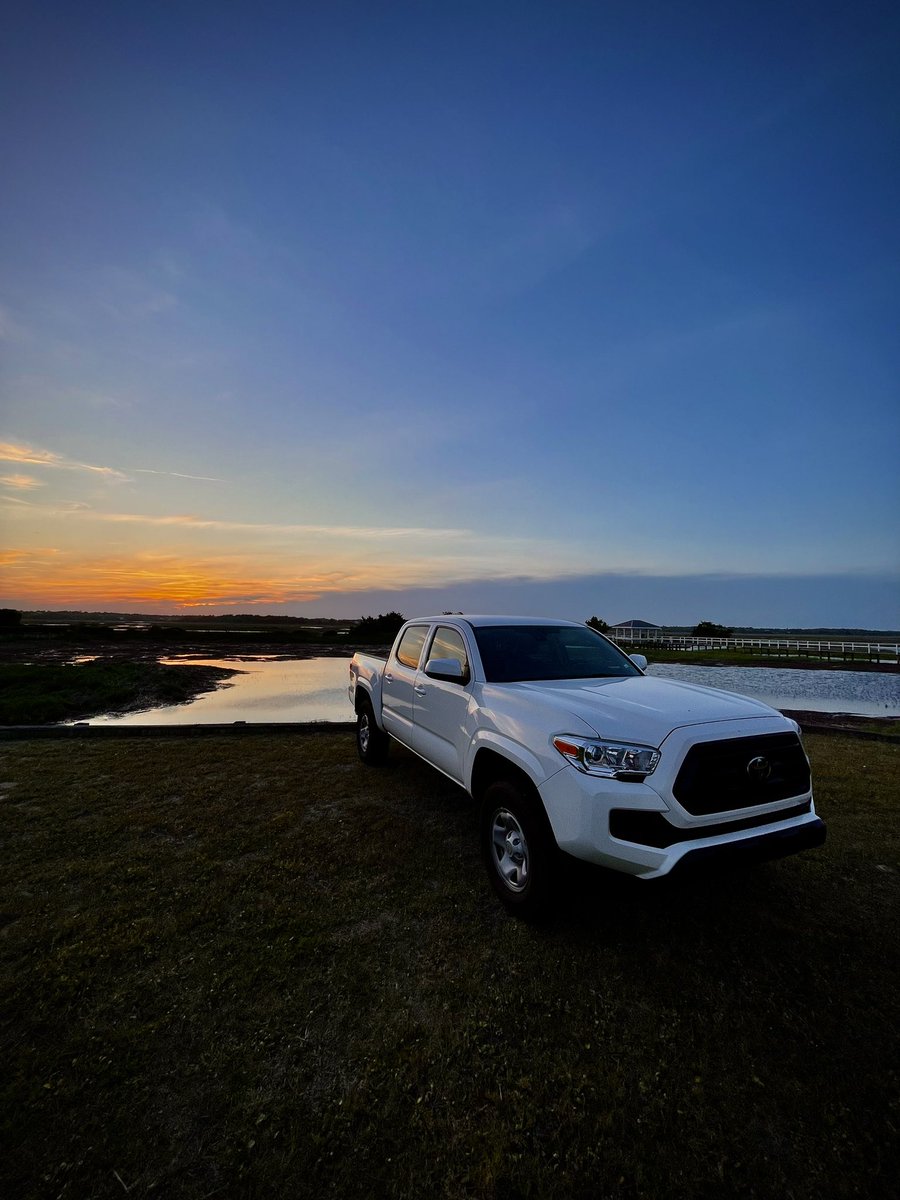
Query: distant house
x: 635, y: 631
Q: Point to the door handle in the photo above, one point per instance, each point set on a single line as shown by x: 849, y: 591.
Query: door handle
x: 419, y: 690
x: 388, y: 677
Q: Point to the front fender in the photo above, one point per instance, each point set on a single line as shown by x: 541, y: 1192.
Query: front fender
x: 525, y: 759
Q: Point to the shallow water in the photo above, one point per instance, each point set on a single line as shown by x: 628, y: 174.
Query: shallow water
x: 315, y: 689
x: 866, y: 693
x: 268, y: 689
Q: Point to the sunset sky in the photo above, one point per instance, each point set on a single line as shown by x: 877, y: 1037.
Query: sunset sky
x: 334, y: 308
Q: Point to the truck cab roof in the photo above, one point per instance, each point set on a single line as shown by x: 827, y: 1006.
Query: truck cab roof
x: 478, y: 620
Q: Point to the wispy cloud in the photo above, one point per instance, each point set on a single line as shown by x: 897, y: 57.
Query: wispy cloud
x: 178, y: 475
x: 9, y: 558
x: 191, y: 521
x: 35, y: 456
x: 21, y: 482
x: 15, y: 452
x: 9, y: 452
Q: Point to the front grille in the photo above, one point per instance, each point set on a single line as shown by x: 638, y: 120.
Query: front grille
x: 714, y: 776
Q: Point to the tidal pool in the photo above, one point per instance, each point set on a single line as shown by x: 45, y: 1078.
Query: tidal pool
x: 315, y: 689
x: 267, y: 689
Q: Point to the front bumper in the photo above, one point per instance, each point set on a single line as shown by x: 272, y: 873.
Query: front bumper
x: 777, y: 843
x: 580, y: 807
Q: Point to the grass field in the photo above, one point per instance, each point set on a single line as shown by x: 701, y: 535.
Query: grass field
x: 251, y: 967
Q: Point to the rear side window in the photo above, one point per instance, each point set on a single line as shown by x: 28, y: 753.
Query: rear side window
x: 411, y: 645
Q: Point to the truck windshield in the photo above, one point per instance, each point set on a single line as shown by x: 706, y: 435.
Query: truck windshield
x: 514, y: 653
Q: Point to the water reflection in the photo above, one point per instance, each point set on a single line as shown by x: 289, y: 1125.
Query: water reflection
x: 315, y: 689
x: 866, y: 693
x: 267, y: 689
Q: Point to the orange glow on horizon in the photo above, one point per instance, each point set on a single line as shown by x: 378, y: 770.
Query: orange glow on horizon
x: 257, y: 569
x: 54, y: 579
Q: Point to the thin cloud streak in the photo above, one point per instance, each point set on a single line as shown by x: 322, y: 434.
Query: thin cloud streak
x: 178, y: 475
x: 338, y: 531
x: 190, y: 521
x: 35, y: 456
x: 15, y: 452
x: 21, y: 482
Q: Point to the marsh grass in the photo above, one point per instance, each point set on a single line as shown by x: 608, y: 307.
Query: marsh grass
x: 256, y: 968
x: 43, y: 693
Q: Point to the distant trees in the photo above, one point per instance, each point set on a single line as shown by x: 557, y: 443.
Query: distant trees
x: 382, y: 628
x: 10, y: 618
x: 711, y: 629
x: 597, y: 623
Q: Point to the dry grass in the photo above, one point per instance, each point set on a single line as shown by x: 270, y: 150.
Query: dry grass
x: 250, y: 967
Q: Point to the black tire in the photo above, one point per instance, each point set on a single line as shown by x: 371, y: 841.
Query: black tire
x: 371, y: 742
x: 519, y: 849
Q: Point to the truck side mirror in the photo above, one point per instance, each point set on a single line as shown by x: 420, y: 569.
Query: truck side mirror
x: 448, y: 669
x: 639, y: 661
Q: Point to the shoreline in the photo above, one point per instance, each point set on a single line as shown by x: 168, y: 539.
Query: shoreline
x: 64, y: 652
x: 45, y: 649
x: 876, y: 729
x: 195, y: 680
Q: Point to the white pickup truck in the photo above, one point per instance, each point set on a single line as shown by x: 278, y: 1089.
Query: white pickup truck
x: 568, y: 747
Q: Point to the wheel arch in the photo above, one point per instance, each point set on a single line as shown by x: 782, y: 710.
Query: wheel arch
x: 490, y: 765
x: 362, y: 694
x: 509, y: 805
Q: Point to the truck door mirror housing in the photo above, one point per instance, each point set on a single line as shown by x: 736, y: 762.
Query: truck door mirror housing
x: 448, y: 669
x: 639, y: 661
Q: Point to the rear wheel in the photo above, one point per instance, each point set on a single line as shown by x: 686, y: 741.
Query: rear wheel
x: 371, y: 742
x: 519, y: 849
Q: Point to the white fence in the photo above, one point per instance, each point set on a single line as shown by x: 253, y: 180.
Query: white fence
x: 884, y: 652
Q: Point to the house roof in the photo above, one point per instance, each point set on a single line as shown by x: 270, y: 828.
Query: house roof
x: 635, y: 625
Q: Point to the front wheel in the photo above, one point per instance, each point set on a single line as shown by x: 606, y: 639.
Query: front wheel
x: 519, y: 849
x: 371, y: 742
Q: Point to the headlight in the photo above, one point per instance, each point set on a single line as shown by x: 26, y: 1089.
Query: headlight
x: 611, y: 760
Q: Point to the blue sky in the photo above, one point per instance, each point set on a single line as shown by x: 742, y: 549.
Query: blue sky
x: 571, y: 308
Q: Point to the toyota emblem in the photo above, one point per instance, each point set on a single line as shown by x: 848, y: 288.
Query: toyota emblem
x: 759, y: 769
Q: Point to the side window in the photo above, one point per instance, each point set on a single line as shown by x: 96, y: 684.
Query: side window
x: 448, y: 643
x: 411, y: 645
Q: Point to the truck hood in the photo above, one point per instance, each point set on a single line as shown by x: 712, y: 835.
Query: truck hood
x: 643, y: 708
